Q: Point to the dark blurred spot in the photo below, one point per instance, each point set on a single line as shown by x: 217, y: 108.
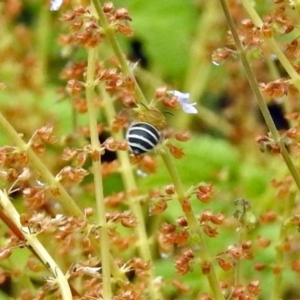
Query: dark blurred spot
x: 224, y: 102
x: 275, y: 110
x: 282, y: 71
x: 131, y: 275
x: 108, y: 156
x: 6, y: 285
x: 137, y: 53
x: 277, y: 114
x: 26, y: 16
x: 291, y: 294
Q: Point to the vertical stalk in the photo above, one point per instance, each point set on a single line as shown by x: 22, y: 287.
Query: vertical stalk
x: 195, y: 231
x: 110, y: 35
x: 193, y: 224
x: 295, y: 77
x: 32, y: 240
x: 64, y: 198
x: 130, y: 185
x: 42, y: 36
x: 283, y: 234
x: 96, y: 149
x: 297, y: 6
x: 261, y: 102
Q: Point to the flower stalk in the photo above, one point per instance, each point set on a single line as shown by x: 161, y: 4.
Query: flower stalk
x: 96, y: 150
x: 130, y: 185
x: 193, y: 224
x: 295, y: 78
x: 260, y: 100
x: 64, y: 198
x: 110, y: 35
x: 196, y: 235
x: 58, y: 277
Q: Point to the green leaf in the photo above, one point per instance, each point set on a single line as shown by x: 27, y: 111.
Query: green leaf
x: 165, y: 29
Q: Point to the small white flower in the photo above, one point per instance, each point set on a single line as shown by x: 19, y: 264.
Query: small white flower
x: 93, y: 271
x: 141, y: 173
x: 56, y: 4
x: 183, y: 98
x: 90, y: 271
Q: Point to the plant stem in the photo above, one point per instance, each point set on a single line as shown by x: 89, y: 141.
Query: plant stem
x: 131, y: 186
x: 96, y: 149
x: 64, y: 198
x: 283, y: 235
x: 128, y: 180
x: 195, y: 231
x: 42, y: 44
x: 33, y: 241
x: 200, y: 68
x: 297, y: 6
x: 261, y: 103
x: 295, y: 77
x: 127, y: 176
x: 111, y: 37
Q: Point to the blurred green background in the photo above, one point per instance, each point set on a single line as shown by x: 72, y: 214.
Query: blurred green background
x: 174, y: 41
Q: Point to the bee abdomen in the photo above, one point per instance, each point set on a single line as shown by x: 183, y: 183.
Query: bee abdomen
x: 142, y: 137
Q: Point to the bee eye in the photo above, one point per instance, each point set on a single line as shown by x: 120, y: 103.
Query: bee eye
x: 142, y: 137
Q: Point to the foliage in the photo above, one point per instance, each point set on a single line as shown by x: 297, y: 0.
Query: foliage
x: 210, y: 210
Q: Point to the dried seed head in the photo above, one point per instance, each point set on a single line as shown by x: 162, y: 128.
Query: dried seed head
x: 204, y: 297
x: 167, y: 228
x: 259, y: 266
x: 210, y: 231
x: 206, y: 267
x: 226, y: 265
x: 176, y: 152
x: 183, y: 137
x: 182, y: 222
x: 170, y: 189
x: 186, y: 205
x: 158, y: 207
x: 206, y: 216
x: 218, y: 219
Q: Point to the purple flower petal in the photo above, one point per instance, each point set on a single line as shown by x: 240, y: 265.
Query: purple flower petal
x: 189, y: 108
x: 183, y: 98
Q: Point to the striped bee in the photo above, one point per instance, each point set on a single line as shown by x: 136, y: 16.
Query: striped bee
x: 146, y: 130
x: 142, y: 137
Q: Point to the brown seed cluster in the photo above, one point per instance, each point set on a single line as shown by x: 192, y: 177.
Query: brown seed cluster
x: 196, y: 231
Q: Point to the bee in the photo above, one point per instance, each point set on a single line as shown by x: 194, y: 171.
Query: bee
x: 144, y: 134
x: 142, y: 137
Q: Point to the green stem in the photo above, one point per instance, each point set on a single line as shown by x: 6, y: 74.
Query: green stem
x: 58, y: 277
x: 42, y: 44
x: 278, y: 278
x: 64, y: 198
x: 130, y: 185
x: 111, y: 37
x: 237, y: 270
x: 297, y: 7
x: 215, y: 121
x: 261, y: 103
x: 128, y: 177
x: 295, y: 77
x: 96, y: 148
x: 128, y: 180
x: 199, y: 69
x: 194, y: 228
